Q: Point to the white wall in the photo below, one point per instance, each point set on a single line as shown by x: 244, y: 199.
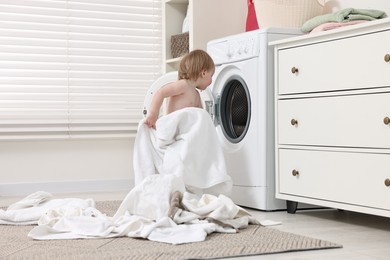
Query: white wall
x: 65, y: 166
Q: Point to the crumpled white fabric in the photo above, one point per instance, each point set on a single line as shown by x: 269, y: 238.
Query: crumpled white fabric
x: 32, y: 200
x: 151, y: 198
x: 28, y: 210
x: 184, y: 143
x: 143, y: 213
x: 219, y: 208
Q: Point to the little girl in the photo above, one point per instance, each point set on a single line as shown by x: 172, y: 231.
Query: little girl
x: 196, y: 70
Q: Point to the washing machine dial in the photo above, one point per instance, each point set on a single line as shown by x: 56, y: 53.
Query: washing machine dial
x: 240, y: 50
x: 230, y: 52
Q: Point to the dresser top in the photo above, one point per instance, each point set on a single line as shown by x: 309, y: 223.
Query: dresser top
x: 342, y: 32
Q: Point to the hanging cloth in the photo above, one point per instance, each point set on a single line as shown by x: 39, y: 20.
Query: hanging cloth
x: 251, y: 20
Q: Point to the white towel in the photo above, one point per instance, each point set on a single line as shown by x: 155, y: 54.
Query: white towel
x: 151, y: 198
x: 143, y: 214
x: 28, y: 210
x: 31, y: 200
x: 184, y: 143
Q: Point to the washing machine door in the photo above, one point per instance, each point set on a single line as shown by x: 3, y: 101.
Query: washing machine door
x: 206, y: 95
x: 233, y: 104
x: 159, y: 83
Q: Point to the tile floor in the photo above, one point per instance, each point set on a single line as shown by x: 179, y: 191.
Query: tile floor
x: 362, y: 236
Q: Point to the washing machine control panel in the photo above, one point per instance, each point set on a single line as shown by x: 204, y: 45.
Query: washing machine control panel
x: 234, y: 49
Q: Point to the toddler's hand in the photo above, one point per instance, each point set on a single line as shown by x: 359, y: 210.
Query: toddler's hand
x: 150, y: 122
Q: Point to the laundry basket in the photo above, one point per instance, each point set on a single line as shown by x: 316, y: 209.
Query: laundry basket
x: 287, y: 13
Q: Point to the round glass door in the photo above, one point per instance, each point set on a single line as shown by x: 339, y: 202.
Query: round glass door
x: 234, y: 109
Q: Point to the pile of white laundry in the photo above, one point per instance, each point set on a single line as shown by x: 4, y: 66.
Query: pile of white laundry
x: 180, y: 196
x: 157, y: 209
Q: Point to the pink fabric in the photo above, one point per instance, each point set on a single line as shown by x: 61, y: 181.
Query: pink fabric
x: 334, y: 25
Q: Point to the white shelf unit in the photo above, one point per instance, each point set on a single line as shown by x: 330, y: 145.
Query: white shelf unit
x: 208, y: 20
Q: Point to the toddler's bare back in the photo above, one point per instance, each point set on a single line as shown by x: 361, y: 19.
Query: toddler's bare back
x: 189, y: 98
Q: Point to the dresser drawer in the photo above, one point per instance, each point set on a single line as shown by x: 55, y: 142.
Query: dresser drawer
x: 353, y: 178
x: 349, y: 63
x: 340, y: 121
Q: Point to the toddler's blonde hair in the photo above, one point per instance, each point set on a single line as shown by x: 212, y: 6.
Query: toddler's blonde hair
x: 194, y: 63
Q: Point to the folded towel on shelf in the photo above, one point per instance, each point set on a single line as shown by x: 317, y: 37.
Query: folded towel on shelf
x: 344, y: 15
x: 334, y: 25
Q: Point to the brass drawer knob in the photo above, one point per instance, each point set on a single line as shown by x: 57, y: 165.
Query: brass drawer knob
x: 387, y: 182
x: 386, y: 120
x: 294, y: 70
x: 294, y: 122
x: 387, y: 57
x: 295, y: 173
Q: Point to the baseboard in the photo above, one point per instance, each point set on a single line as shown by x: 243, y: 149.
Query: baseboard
x: 87, y: 186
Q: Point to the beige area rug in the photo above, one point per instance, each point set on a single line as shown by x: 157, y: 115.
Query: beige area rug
x: 254, y: 240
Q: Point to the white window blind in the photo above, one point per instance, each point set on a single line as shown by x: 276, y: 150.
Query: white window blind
x: 76, y: 68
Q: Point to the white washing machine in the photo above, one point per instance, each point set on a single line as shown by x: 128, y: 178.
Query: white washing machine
x: 241, y: 103
x: 244, y: 92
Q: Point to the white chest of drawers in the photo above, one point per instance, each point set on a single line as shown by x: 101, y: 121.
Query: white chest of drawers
x: 332, y: 118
